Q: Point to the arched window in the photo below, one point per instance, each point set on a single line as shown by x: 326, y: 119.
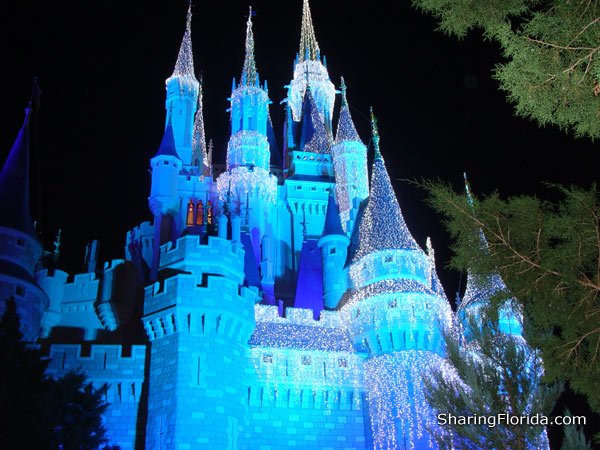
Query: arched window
x: 190, y: 214
x: 209, y: 213
x: 199, y: 214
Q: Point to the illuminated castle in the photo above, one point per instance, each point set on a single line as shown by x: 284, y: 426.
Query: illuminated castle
x: 285, y: 302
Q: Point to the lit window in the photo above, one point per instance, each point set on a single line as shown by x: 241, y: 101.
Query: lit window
x: 209, y: 213
x: 190, y: 214
x: 199, y: 214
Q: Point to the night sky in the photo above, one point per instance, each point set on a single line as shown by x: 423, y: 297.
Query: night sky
x: 102, y: 67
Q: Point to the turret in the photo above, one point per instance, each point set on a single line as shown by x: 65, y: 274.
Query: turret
x: 482, y: 289
x: 393, y: 315
x: 163, y: 200
x: 182, y: 96
x: 350, y: 165
x: 309, y: 69
x: 247, y: 179
x: 248, y: 145
x: 334, y: 252
x: 20, y: 247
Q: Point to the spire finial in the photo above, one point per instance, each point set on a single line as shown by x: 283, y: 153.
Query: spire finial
x: 309, y: 48
x: 375, y: 133
x: 343, y: 90
x: 249, y: 74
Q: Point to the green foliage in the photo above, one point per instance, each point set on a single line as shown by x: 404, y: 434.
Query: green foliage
x: 574, y: 439
x: 493, y: 373
x: 549, y: 256
x: 552, y: 49
x: 39, y: 412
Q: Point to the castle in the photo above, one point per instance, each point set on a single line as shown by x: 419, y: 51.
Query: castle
x: 284, y: 300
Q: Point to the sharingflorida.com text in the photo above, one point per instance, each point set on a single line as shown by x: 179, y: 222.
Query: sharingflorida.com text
x: 508, y: 419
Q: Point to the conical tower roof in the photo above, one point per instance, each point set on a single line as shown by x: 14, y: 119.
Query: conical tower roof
x: 309, y: 47
x: 198, y: 136
x: 167, y: 145
x: 314, y: 137
x: 480, y: 289
x: 14, y: 184
x: 333, y: 224
x: 346, y: 131
x: 184, y: 67
x: 380, y: 225
x: 249, y: 72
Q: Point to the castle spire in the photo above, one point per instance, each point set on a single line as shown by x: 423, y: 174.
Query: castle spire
x: 184, y: 67
x: 346, y: 131
x: 198, y: 138
x: 375, y: 137
x: 380, y: 225
x: 14, y: 184
x: 249, y: 72
x: 309, y: 47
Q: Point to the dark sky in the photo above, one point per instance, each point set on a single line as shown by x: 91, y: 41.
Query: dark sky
x: 102, y: 65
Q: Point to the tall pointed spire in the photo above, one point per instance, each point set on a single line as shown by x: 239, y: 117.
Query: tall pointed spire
x: 309, y: 47
x: 184, y: 67
x: 249, y: 73
x: 380, y: 225
x: 375, y: 137
x: 314, y: 137
x: 346, y: 131
x: 198, y: 138
x: 14, y: 184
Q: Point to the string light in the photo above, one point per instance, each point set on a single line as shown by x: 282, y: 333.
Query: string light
x: 184, y: 67
x: 243, y: 181
x: 320, y: 141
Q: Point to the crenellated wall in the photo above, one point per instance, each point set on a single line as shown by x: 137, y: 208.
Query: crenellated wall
x: 125, y: 377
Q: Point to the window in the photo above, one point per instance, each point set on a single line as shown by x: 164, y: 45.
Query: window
x: 393, y: 303
x: 389, y: 258
x: 190, y: 214
x: 20, y: 291
x: 268, y: 358
x: 332, y: 250
x: 306, y: 361
x: 199, y: 213
x: 342, y: 362
x: 21, y: 242
x: 209, y: 213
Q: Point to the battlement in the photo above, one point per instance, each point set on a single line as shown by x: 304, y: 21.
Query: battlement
x: 102, y: 364
x: 297, y: 316
x: 218, y: 257
x: 221, y: 307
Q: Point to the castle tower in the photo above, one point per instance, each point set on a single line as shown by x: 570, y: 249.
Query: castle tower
x: 199, y: 324
x: 334, y: 251
x: 393, y: 315
x: 350, y: 165
x: 182, y: 96
x: 247, y: 181
x: 310, y: 69
x: 20, y: 247
x: 480, y: 289
x: 163, y: 200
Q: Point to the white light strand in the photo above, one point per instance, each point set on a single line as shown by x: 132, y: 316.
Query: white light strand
x: 243, y: 181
